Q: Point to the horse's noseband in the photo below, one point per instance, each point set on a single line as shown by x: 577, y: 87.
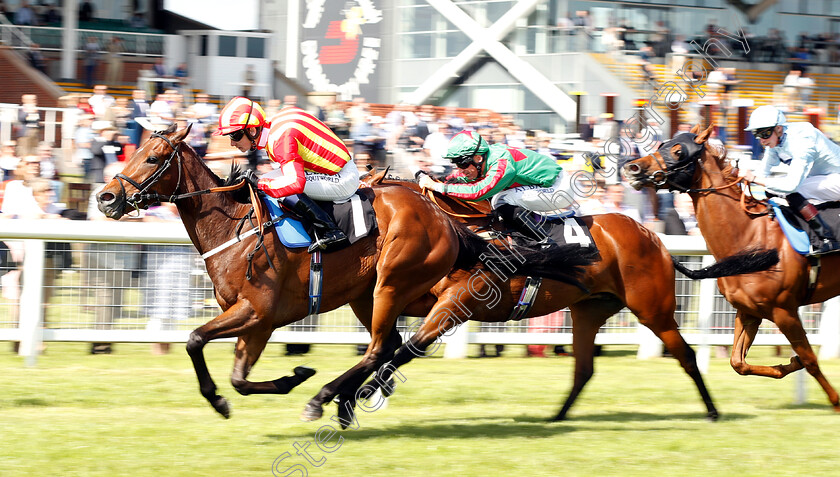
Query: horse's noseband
x: 144, y: 186
x: 678, y: 171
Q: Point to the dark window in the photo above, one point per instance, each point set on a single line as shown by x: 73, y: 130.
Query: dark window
x: 255, y: 48
x: 227, y: 46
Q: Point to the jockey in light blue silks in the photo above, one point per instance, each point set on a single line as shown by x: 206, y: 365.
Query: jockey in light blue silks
x: 813, y: 176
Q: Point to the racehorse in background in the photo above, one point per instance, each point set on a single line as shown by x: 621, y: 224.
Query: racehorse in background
x: 416, y: 245
x: 729, y: 222
x: 635, y: 270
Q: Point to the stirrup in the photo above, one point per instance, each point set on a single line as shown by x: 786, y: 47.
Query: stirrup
x: 323, y: 242
x: 827, y: 246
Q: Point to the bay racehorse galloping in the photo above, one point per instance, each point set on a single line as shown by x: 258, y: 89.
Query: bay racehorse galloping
x: 689, y: 164
x: 416, y: 245
x: 635, y: 270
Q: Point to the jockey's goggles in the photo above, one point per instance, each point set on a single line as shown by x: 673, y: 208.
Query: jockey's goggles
x: 237, y: 135
x: 466, y: 161
x: 764, y: 133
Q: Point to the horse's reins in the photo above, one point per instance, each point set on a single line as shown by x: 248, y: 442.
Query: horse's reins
x: 431, y: 195
x: 257, y: 209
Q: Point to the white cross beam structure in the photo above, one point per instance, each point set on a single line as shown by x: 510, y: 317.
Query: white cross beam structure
x: 489, y: 40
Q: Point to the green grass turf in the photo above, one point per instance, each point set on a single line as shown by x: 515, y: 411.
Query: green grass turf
x: 136, y: 414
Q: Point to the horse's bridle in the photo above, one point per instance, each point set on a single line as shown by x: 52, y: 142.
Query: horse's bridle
x: 141, y: 193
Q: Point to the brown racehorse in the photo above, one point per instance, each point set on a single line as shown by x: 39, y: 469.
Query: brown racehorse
x: 635, y: 270
x: 416, y: 245
x: 688, y: 164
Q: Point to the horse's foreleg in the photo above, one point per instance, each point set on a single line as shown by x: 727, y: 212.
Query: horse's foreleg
x: 791, y: 326
x: 587, y: 317
x: 348, y: 383
x: 680, y: 350
x: 232, y: 322
x: 746, y: 327
x: 248, y: 350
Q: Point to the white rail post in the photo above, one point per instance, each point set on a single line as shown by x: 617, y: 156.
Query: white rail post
x: 704, y: 316
x: 457, y: 344
x: 830, y: 330
x: 31, y: 301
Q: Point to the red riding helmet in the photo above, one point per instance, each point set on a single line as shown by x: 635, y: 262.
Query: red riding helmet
x: 238, y: 114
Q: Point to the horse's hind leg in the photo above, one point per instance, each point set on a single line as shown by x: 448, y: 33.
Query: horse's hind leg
x: 414, y: 347
x: 791, y: 326
x: 234, y: 321
x: 587, y: 317
x: 248, y: 350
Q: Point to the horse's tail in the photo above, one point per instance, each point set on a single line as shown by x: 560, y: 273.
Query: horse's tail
x: 748, y: 261
x: 561, y: 263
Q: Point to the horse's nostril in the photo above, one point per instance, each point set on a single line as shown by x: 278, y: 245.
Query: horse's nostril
x: 106, y: 197
x: 632, y: 168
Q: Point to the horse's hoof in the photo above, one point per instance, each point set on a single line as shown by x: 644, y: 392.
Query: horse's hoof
x: 311, y: 412
x: 345, y: 412
x: 304, y: 372
x: 712, y: 416
x: 221, y: 406
x: 389, y: 388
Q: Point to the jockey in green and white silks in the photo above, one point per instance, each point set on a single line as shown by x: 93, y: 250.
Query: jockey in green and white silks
x: 506, y: 175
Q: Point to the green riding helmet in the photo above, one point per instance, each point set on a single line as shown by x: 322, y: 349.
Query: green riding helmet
x: 463, y: 146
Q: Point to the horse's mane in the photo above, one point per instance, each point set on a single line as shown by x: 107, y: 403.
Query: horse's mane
x: 720, y: 154
x: 237, y: 173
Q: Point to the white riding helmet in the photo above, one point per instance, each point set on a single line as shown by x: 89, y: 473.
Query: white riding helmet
x: 765, y: 117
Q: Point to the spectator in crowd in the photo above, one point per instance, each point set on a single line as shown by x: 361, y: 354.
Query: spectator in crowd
x: 167, y: 286
x: 203, y: 110
x: 614, y: 202
x: 24, y: 14
x: 434, y: 150
x: 791, y: 87
x: 160, y: 112
x: 100, y: 101
x: 160, y: 72
x: 82, y: 142
x: 29, y: 118
x: 104, y: 150
x: 805, y: 86
x: 36, y: 58
x: 139, y: 108
x: 249, y: 78
x: 115, y: 50
x: 109, y: 268
x: 90, y: 58
x: 8, y: 160
x: 87, y: 11
x: 138, y: 20
x: 369, y: 142
x: 52, y: 16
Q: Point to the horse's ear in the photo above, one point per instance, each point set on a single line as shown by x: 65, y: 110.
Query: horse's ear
x: 170, y: 129
x: 695, y: 129
x: 182, y: 133
x: 704, y: 136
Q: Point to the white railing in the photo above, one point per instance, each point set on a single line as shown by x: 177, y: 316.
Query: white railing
x: 705, y: 318
x: 53, y: 126
x: 50, y: 39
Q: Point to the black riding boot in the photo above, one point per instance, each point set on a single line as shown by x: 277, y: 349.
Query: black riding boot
x: 810, y: 213
x: 518, y: 219
x: 326, y: 231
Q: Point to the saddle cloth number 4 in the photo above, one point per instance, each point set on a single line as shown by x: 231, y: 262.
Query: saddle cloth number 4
x: 574, y: 233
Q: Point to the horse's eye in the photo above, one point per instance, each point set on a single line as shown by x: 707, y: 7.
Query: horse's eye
x: 152, y: 160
